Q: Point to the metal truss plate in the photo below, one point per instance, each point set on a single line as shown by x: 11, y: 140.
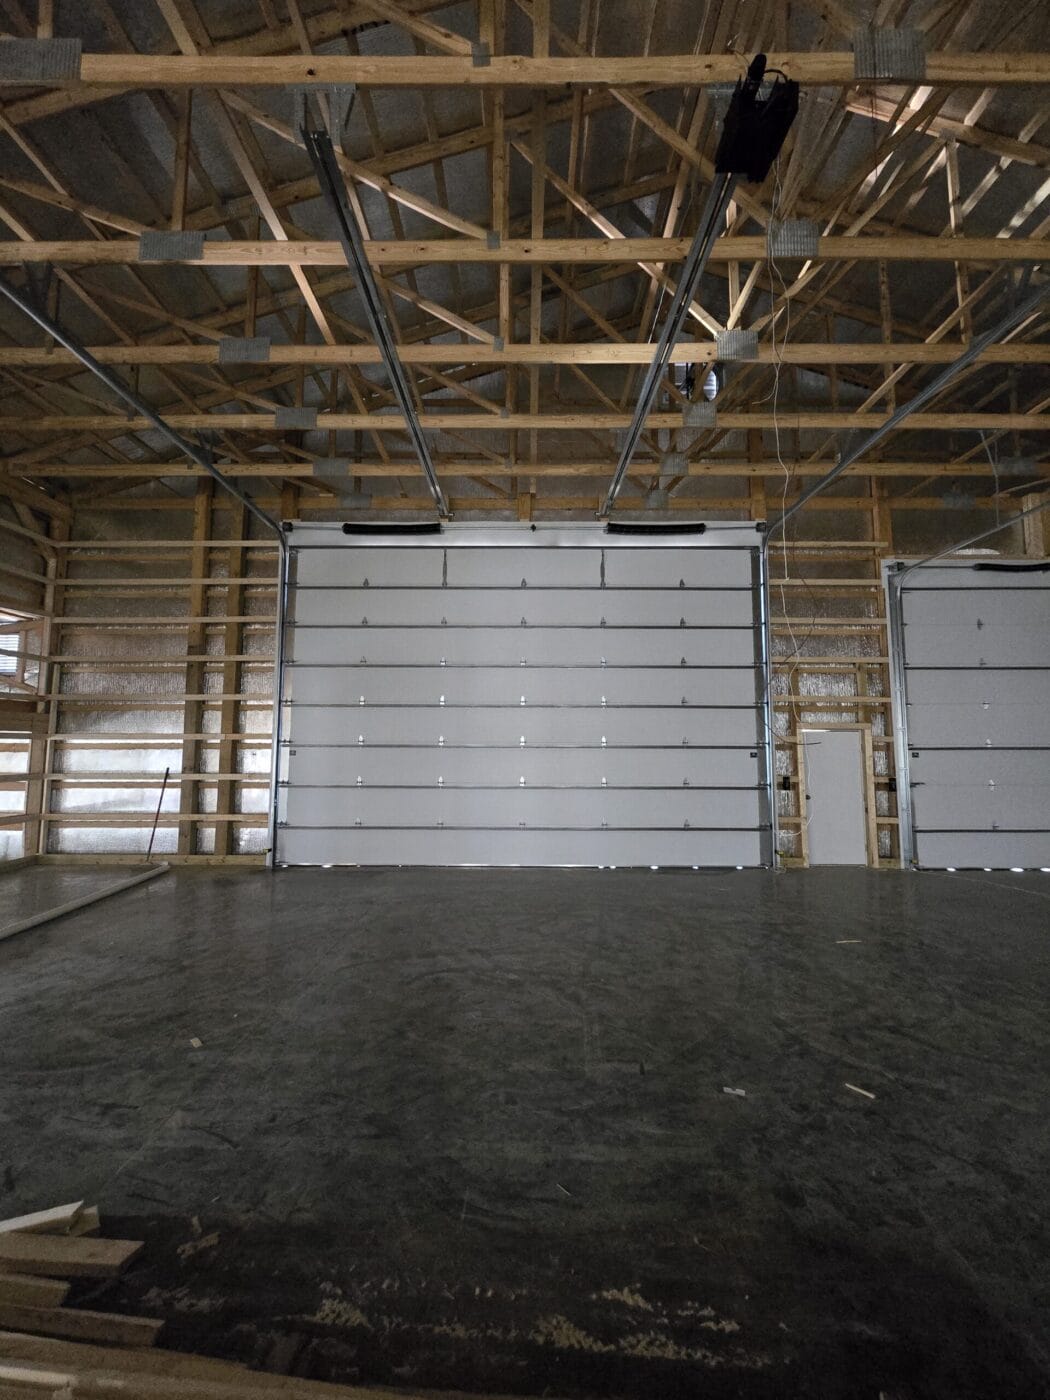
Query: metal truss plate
x: 673, y: 464
x: 699, y: 415
x: 958, y: 500
x: 480, y: 55
x: 889, y: 55
x: 301, y: 419
x: 736, y: 345
x: 244, y: 350
x: 162, y: 245
x: 1017, y: 466
x: 339, y: 98
x: 793, y: 238
x: 28, y: 62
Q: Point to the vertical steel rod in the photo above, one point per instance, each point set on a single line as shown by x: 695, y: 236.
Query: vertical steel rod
x: 718, y: 197
x: 333, y: 187
x: 156, y: 818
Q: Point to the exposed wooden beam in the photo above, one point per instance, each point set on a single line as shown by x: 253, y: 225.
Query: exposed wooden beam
x: 263, y: 469
x: 123, y: 71
x: 295, y: 253
x: 572, y: 352
x: 486, y: 422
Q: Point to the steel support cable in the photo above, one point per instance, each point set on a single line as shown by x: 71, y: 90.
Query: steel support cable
x: 322, y: 156
x: 196, y: 452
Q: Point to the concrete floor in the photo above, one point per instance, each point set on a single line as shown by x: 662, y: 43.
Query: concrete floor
x: 32, y: 889
x: 470, y: 1128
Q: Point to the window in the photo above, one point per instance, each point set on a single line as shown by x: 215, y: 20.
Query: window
x: 21, y: 636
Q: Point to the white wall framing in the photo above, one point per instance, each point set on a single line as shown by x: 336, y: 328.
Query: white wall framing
x: 523, y: 695
x: 971, y: 654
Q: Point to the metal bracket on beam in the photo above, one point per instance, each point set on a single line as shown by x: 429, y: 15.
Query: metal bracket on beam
x: 720, y: 95
x: 480, y: 55
x: 699, y: 415
x: 497, y: 343
x: 27, y: 62
x: 244, y: 350
x: 793, y: 238
x: 161, y: 245
x: 491, y: 239
x: 295, y: 419
x: 958, y: 500
x: 736, y: 345
x: 673, y: 464
x: 1018, y: 466
x: 889, y: 55
x: 339, y: 100
x: 334, y: 472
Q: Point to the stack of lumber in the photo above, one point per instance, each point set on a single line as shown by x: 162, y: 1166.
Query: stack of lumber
x: 48, y: 1352
x: 40, y: 1253
x: 36, y: 1368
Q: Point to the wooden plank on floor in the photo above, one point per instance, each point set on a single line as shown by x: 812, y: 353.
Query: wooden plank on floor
x: 56, y: 1221
x: 127, y: 1374
x: 82, y: 1325
x: 32, y: 1292
x: 56, y: 1256
x: 72, y: 1356
x: 87, y: 1222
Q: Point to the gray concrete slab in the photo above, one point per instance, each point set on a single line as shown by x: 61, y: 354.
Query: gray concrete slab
x: 470, y: 1128
x: 32, y: 889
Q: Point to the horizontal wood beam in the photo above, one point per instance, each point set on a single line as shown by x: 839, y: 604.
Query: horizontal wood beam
x: 494, y: 422
x: 535, y: 251
x: 483, y: 467
x: 124, y: 71
x: 582, y: 353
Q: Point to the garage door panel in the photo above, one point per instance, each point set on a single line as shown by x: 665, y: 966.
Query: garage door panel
x: 521, y: 607
x: 540, y: 568
x: 968, y: 806
x: 668, y: 568
x: 979, y: 686
x: 346, y: 566
x: 1027, y: 607
x: 536, y: 724
x: 996, y: 850
x: 971, y: 646
x: 968, y: 579
x: 1015, y: 767
x: 977, y: 725
x: 537, y: 807
x: 508, y: 646
x: 433, y: 685
x: 635, y: 767
x: 358, y: 846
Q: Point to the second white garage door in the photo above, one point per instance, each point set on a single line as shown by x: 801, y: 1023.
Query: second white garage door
x: 523, y: 697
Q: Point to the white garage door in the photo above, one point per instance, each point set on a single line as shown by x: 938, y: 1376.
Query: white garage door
x: 518, y: 696
x: 973, y: 648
